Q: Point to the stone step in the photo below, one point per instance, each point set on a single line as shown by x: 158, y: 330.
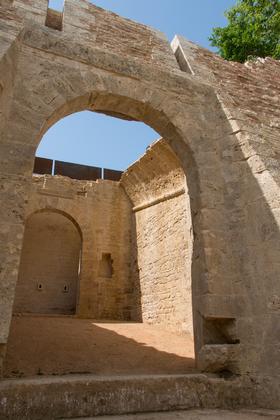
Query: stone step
x: 71, y: 396
x: 198, y: 415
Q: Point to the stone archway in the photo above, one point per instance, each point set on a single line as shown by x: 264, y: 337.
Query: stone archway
x: 184, y: 112
x: 209, y: 120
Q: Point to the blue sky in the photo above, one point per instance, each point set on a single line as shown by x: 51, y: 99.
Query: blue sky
x: 97, y: 140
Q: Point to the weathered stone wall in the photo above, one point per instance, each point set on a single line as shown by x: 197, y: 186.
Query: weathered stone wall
x: 10, y: 29
x: 157, y: 188
x: 250, y: 97
x: 102, y: 212
x: 48, y: 279
x: 31, y: 9
x: 235, y: 256
x: 125, y: 37
x: 130, y: 270
x: 11, y: 229
x: 93, y: 26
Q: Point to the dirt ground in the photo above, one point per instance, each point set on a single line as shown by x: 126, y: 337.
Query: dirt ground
x: 200, y: 415
x: 41, y: 345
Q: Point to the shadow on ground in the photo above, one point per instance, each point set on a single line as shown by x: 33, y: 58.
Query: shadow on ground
x: 63, y: 345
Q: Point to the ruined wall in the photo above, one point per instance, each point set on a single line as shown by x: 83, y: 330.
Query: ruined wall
x: 93, y: 26
x: 250, y: 96
x: 49, y: 269
x: 145, y: 255
x: 162, y: 265
x: 11, y: 229
x: 103, y: 213
x: 10, y: 29
x: 236, y: 244
x: 31, y: 9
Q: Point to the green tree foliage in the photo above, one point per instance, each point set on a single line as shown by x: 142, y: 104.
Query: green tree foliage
x: 253, y: 31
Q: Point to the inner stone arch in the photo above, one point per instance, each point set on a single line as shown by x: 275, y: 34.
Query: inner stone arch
x: 152, y: 195
x: 208, y: 120
x: 155, y: 183
x: 48, y: 281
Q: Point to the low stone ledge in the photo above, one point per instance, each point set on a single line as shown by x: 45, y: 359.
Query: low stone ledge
x: 159, y: 200
x: 89, y: 395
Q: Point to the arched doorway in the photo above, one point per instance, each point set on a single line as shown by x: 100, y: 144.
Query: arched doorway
x: 135, y: 283
x: 138, y: 236
x: 176, y: 118
x: 50, y: 265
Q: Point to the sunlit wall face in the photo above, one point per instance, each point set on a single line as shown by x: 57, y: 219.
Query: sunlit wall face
x: 96, y: 140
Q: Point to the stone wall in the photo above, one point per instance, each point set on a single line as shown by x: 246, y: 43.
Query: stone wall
x: 157, y: 188
x: 134, y: 264
x: 102, y: 212
x: 249, y: 94
x: 232, y: 176
x: 93, y: 26
x: 48, y: 279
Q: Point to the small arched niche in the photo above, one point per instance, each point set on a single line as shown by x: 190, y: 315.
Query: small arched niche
x: 50, y: 265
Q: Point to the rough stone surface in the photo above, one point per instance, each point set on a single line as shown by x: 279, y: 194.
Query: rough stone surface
x: 100, y: 216
x: 136, y: 245
x: 220, y: 119
x: 49, y: 269
x: 156, y: 185
x: 201, y: 415
x: 89, y: 395
x: 249, y: 95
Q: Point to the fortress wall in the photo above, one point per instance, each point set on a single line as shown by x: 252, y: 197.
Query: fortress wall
x: 97, y: 27
x: 232, y: 182
x: 157, y: 188
x: 110, y: 32
x: 250, y: 96
x: 35, y: 10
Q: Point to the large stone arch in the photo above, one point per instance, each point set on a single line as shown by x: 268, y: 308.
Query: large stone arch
x: 186, y: 126
x: 73, y: 218
x: 184, y: 112
x: 219, y: 130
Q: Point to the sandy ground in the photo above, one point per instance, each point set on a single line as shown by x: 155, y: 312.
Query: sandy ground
x: 41, y: 345
x: 200, y: 415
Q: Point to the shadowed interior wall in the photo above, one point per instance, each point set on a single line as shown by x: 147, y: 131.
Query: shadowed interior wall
x: 157, y: 187
x: 249, y: 94
x: 49, y: 268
